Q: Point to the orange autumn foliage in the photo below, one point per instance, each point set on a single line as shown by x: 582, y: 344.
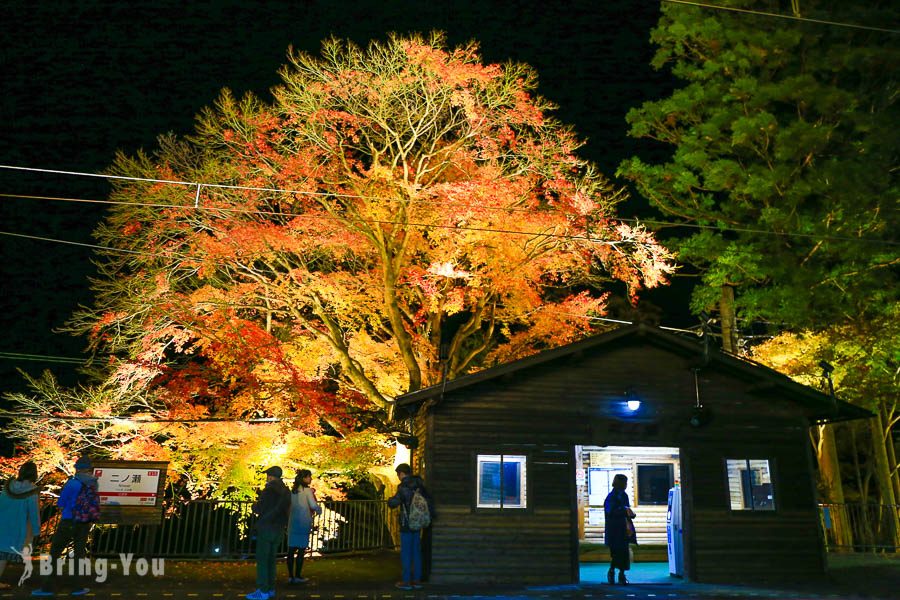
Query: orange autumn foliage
x: 389, y: 201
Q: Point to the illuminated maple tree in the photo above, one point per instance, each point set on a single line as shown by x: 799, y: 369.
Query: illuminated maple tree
x: 390, y: 206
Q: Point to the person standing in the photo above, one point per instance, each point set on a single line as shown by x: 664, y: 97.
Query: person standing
x: 410, y: 533
x: 619, y: 529
x: 79, y: 508
x: 20, y: 515
x: 303, y: 507
x: 272, y: 507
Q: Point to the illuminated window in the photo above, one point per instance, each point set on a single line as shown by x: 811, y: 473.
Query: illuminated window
x: 501, y: 481
x: 750, y: 484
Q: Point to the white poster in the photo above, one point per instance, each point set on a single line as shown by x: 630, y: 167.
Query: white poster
x: 595, y: 516
x: 600, y: 484
x: 127, y: 486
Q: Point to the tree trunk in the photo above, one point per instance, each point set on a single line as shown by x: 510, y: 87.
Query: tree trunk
x: 891, y: 451
x: 726, y: 311
x: 830, y: 472
x: 891, y: 520
x: 864, y: 527
x: 863, y: 492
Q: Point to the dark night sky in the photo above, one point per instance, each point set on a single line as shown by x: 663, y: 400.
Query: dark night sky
x: 82, y: 80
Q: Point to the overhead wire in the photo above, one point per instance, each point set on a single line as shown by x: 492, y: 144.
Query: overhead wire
x: 41, y: 357
x: 82, y: 244
x: 62, y: 359
x: 139, y: 420
x: 200, y: 185
x: 461, y: 227
x: 781, y: 16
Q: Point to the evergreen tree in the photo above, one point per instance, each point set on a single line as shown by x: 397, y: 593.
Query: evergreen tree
x: 785, y: 151
x: 785, y: 169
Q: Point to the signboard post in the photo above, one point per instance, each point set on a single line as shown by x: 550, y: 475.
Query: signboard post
x: 131, y: 492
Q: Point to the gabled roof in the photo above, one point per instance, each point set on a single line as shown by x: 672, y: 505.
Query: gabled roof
x: 821, y: 407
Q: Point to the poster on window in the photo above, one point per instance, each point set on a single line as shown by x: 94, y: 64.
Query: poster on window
x: 127, y: 486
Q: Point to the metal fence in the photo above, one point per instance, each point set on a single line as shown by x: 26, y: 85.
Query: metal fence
x: 861, y: 527
x: 225, y: 529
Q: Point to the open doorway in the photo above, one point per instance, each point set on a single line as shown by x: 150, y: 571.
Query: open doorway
x: 652, y: 473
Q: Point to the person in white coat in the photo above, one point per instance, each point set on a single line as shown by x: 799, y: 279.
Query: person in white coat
x: 303, y: 508
x: 19, y: 515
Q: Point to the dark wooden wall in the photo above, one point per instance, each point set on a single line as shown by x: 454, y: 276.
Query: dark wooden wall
x: 545, y: 411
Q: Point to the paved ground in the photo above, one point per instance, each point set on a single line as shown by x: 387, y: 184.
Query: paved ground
x: 371, y: 577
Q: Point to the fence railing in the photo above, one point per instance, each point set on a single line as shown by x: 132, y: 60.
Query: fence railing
x: 861, y: 527
x: 225, y: 529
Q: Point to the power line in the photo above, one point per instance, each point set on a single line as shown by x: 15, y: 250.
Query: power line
x: 94, y: 246
x: 45, y: 358
x: 199, y: 185
x: 368, y: 221
x: 25, y: 415
x: 374, y: 221
x: 41, y: 358
x: 675, y: 329
x: 782, y: 16
x: 482, y: 229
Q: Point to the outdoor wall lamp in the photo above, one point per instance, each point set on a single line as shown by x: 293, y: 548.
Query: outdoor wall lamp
x: 700, y: 415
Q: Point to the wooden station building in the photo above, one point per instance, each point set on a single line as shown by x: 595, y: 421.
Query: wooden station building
x: 508, y: 454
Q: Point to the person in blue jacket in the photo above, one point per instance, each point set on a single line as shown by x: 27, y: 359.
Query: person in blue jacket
x: 619, y: 530
x: 20, y: 516
x: 410, y: 541
x: 69, y: 530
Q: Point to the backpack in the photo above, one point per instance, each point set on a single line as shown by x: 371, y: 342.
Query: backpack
x: 87, y: 505
x: 418, y: 516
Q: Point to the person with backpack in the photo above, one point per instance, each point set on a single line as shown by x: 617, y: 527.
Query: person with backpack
x: 20, y: 515
x: 79, y: 508
x: 416, y: 514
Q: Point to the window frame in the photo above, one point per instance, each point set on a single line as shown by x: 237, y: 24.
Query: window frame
x: 637, y: 481
x: 527, y: 500
x: 770, y: 463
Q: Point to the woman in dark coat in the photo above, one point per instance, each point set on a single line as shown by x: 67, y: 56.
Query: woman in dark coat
x: 619, y: 529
